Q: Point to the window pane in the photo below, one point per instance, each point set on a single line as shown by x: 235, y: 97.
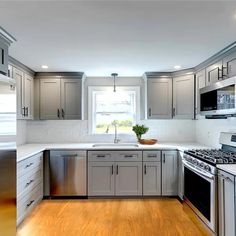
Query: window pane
x: 110, y: 107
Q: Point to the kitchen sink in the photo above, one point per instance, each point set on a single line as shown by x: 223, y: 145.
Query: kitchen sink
x: 120, y: 145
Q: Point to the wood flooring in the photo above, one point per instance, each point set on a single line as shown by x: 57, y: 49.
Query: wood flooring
x: 112, y: 217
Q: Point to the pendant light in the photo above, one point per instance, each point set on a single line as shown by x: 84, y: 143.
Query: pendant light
x: 114, y: 75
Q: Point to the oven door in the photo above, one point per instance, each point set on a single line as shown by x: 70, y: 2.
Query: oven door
x: 200, y: 194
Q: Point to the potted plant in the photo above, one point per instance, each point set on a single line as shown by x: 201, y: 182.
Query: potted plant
x: 139, y: 130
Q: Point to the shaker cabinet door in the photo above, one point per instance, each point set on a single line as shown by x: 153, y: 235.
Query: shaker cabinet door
x: 50, y: 107
x: 229, y: 64
x: 159, y: 97
x: 200, y: 83
x: 27, y: 96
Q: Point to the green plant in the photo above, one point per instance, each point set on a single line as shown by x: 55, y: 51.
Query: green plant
x: 139, y: 130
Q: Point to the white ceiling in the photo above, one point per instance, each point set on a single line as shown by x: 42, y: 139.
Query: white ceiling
x: 128, y: 37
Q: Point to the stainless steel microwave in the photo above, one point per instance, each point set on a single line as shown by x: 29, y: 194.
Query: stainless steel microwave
x: 219, y: 98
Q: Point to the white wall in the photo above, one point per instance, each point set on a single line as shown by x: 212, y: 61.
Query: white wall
x: 77, y: 131
x: 208, y: 131
x: 21, y: 132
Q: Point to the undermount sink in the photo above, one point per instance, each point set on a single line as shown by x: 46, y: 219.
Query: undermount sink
x: 115, y: 145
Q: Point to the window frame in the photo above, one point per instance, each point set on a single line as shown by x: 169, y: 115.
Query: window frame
x: 91, y: 114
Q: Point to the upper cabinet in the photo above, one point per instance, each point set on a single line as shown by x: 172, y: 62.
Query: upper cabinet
x: 183, y: 97
x: 3, y: 57
x: 159, y: 98
x: 59, y: 97
x: 229, y: 64
x: 214, y: 73
x: 25, y: 95
x: 200, y: 83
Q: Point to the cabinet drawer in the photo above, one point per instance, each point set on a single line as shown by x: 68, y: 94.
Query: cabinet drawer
x: 29, y: 164
x: 29, y: 181
x: 152, y: 156
x: 101, y: 156
x: 27, y: 202
x: 128, y: 156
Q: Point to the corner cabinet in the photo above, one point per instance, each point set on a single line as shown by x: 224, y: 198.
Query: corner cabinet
x: 169, y: 173
x: 183, y: 97
x: 226, y: 202
x: 159, y: 98
x: 214, y: 73
x: 25, y: 93
x: 59, y: 98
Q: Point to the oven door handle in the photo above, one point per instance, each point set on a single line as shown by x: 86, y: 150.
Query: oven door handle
x: 206, y: 175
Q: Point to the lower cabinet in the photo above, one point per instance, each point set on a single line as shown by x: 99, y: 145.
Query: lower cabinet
x: 226, y: 203
x: 151, y: 178
x: 29, y: 185
x: 169, y: 173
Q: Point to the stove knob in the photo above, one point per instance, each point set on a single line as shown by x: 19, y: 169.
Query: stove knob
x: 195, y: 161
x: 207, y: 167
x: 201, y: 165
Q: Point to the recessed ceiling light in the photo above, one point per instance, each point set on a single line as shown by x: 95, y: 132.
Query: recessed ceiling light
x: 44, y: 67
x: 177, y: 67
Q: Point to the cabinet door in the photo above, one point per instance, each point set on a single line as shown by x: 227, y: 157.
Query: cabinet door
x: 159, y: 96
x: 101, y: 179
x: 50, y: 106
x: 214, y: 73
x: 229, y: 63
x: 183, y: 97
x: 152, y: 178
x: 169, y: 173
x: 200, y: 83
x: 27, y: 96
x: 19, y: 77
x: 226, y: 185
x: 128, y: 179
x: 71, y: 98
x: 180, y: 176
x: 3, y: 58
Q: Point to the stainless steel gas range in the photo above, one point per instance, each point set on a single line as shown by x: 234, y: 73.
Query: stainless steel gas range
x: 200, y: 177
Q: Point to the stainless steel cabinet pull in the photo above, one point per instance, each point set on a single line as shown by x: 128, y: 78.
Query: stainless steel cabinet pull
x: 27, y: 111
x: 23, y: 111
x: 117, y: 169
x: 128, y: 156
x: 30, y: 182
x: 112, y: 170
x: 63, y: 113
x: 68, y: 156
x: 30, y: 164
x: 149, y: 112
x: 173, y: 111
x: 145, y: 169
x: 151, y: 156
x: 30, y: 203
x: 58, y: 113
x: 164, y: 158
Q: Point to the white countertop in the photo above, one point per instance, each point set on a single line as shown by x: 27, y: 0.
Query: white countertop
x: 27, y: 150
x: 230, y: 168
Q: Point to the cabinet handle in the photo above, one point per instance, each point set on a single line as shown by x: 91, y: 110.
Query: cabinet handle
x: 152, y: 156
x: 58, y: 113
x: 63, y: 113
x: 112, y: 170
x: 30, y: 203
x: 30, y: 182
x: 164, y: 158
x: 145, y: 169
x: 128, y: 156
x: 149, y: 112
x: 23, y: 111
x: 226, y: 178
x: 173, y: 111
x: 30, y: 164
x: 27, y: 111
x: 117, y: 169
x: 101, y: 156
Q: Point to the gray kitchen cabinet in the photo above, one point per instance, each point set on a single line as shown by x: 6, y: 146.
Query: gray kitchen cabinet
x: 25, y: 93
x: 226, y: 202
x: 152, y: 178
x: 101, y: 178
x: 200, y: 83
x: 128, y: 179
x: 183, y: 97
x: 60, y: 98
x: 169, y: 173
x: 214, y: 73
x: 229, y: 64
x: 3, y: 57
x: 50, y: 99
x: 159, y: 98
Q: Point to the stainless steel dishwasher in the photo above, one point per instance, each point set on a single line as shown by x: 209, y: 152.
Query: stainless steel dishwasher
x: 68, y: 173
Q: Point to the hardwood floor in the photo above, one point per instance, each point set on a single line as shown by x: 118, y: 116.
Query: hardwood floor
x: 136, y: 217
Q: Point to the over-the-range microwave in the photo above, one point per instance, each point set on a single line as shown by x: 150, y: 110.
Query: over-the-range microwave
x: 219, y: 98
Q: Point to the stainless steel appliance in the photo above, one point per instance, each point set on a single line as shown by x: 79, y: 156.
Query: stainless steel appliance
x: 7, y: 156
x: 68, y: 173
x: 200, y: 178
x: 219, y: 98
